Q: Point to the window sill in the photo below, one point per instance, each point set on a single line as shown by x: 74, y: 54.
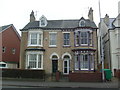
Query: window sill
x: 84, y: 44
x: 35, y: 45
x: 35, y: 68
x: 54, y: 46
x: 84, y: 69
x: 66, y: 46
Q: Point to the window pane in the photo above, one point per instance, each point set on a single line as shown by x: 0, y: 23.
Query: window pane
x: 54, y: 57
x: 53, y: 37
x: 90, y: 38
x: 77, y: 38
x: 34, y: 38
x: 32, y: 60
x: 3, y: 49
x: 84, y: 38
x: 91, y: 62
x: 42, y: 22
x: 2, y: 65
x: 39, y: 60
x: 76, y: 62
x: 66, y: 38
x: 84, y: 64
x: 40, y: 39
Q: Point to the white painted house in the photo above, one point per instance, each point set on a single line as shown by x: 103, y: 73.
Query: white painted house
x: 110, y: 32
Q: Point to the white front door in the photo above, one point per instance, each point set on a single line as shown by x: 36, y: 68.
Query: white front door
x: 66, y: 66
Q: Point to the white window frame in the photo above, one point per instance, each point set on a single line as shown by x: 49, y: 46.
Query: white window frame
x: 37, y: 53
x: 38, y: 37
x: 50, y: 39
x: 67, y: 39
x: 43, y: 18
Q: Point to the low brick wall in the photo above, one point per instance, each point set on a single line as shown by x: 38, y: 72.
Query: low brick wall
x: 85, y: 77
x: 23, y: 73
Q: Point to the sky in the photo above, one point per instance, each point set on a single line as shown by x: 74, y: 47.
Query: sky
x: 17, y: 12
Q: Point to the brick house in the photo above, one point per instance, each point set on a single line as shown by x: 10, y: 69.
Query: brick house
x: 64, y: 45
x: 9, y: 47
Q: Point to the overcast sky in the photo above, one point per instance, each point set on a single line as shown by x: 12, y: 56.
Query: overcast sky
x: 17, y: 12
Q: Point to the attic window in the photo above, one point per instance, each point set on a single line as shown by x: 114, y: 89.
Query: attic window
x: 82, y: 23
x: 43, y: 21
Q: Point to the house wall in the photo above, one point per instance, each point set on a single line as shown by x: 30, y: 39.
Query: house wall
x: 23, y: 46
x: 0, y: 46
x: 60, y: 50
x: 106, y: 45
x: 12, y: 65
x: 113, y: 48
x: 10, y: 40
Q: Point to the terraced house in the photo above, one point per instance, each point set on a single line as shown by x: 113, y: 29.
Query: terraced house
x: 59, y: 45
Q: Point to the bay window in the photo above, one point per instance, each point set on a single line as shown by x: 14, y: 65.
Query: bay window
x: 84, y: 61
x: 34, y: 60
x: 83, y: 38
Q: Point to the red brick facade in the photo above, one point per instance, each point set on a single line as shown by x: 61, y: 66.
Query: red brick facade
x: 85, y: 77
x: 10, y: 39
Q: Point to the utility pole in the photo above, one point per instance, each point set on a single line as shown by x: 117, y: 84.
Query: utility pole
x: 101, y: 45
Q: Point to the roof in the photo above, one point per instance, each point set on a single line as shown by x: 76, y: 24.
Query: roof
x: 59, y: 24
x: 110, y: 25
x: 2, y: 28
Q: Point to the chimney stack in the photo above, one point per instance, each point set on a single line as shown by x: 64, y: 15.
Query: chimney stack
x: 90, y: 14
x: 106, y: 19
x: 32, y: 17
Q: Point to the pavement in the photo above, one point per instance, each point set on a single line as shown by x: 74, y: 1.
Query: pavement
x: 114, y: 83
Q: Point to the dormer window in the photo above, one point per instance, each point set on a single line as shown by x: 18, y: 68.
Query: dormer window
x: 82, y: 23
x: 43, y: 21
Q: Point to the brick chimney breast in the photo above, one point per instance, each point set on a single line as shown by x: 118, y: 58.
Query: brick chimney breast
x: 90, y: 14
x: 32, y: 17
x: 106, y: 19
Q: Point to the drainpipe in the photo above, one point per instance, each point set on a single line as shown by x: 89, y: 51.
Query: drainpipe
x: 101, y: 44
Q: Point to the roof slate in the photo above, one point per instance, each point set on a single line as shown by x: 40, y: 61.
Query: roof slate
x: 2, y: 28
x: 111, y: 20
x: 59, y: 24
